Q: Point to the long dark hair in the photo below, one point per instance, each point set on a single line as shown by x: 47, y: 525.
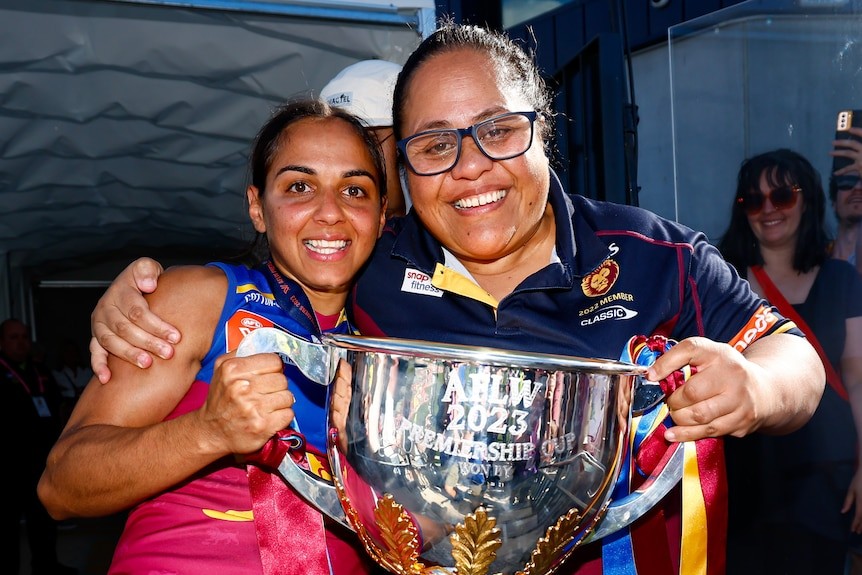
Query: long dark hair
x: 781, y: 167
x: 268, y: 141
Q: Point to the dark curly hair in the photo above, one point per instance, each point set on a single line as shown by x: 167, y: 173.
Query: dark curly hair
x: 513, y: 64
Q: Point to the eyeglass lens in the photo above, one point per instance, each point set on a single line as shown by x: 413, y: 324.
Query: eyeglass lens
x: 780, y: 198
x: 500, y: 138
x: 845, y: 183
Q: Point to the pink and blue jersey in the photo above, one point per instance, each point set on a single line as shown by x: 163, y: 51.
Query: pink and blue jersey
x: 205, y: 525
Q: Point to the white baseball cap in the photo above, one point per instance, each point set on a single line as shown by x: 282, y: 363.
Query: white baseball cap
x: 365, y: 90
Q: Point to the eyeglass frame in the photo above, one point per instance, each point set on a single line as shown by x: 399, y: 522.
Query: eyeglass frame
x: 460, y: 133
x: 795, y: 190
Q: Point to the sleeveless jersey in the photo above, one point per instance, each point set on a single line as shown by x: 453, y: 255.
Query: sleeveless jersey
x: 205, y: 524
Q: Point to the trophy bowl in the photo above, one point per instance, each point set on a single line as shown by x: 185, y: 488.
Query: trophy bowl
x: 471, y: 460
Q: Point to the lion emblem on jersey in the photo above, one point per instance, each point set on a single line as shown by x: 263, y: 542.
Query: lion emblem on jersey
x: 601, y: 280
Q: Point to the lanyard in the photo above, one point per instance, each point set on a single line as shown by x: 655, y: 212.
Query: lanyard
x: 21, y: 380
x: 290, y: 297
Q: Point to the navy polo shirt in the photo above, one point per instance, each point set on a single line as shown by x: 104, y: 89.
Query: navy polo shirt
x: 620, y: 271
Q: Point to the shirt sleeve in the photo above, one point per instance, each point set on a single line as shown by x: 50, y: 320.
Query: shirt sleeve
x: 720, y: 305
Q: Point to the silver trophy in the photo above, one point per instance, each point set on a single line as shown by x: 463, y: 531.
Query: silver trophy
x: 470, y: 460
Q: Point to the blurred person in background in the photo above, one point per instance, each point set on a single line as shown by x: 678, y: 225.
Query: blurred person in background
x: 30, y: 425
x: 71, y: 374
x: 845, y: 191
x: 800, y: 511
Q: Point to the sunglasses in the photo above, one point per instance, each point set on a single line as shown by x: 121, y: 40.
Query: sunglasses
x: 847, y: 183
x: 780, y: 198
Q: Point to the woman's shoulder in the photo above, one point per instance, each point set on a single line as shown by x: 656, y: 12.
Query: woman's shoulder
x: 840, y: 280
x: 182, y: 273
x: 189, y: 289
x: 840, y: 270
x: 607, y: 217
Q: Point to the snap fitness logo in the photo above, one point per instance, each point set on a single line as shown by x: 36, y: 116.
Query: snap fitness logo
x: 759, y: 324
x: 419, y: 283
x: 601, y: 280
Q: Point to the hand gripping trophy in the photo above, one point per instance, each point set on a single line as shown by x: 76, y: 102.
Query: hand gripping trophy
x: 457, y: 459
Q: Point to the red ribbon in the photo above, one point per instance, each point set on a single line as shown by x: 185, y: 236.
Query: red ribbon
x: 290, y: 532
x: 710, y: 471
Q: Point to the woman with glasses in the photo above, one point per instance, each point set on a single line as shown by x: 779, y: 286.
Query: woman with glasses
x: 799, y: 513
x: 496, y: 253
x: 845, y: 191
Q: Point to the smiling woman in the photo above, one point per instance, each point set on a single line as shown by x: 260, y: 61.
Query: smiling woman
x: 513, y: 260
x: 804, y: 520
x: 316, y: 200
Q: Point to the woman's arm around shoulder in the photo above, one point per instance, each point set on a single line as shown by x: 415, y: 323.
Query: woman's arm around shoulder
x: 116, y: 449
x: 122, y: 323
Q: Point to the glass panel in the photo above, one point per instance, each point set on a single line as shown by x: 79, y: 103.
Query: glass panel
x: 517, y: 11
x: 754, y: 77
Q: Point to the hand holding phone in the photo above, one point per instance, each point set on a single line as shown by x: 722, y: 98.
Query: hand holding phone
x: 847, y: 152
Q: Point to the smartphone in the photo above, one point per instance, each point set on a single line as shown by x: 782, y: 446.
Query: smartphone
x: 846, y: 120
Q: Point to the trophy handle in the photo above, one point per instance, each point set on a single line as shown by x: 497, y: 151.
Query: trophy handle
x: 622, y: 512
x: 319, y: 493
x: 316, y: 361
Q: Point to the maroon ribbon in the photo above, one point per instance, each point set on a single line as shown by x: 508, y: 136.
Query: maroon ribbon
x: 290, y: 532
x: 711, y: 472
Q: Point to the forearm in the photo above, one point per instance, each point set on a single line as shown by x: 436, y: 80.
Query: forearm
x: 790, y: 379
x: 79, y: 480
x: 851, y: 377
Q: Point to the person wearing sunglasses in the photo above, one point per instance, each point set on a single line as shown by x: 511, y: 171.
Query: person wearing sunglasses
x: 801, y: 511
x: 494, y: 252
x: 845, y: 191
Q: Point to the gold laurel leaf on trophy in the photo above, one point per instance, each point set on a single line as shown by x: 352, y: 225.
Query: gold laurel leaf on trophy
x: 399, y: 534
x: 475, y: 543
x: 362, y: 533
x: 548, y: 554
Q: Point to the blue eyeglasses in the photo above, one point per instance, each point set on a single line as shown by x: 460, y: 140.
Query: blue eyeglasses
x: 500, y: 138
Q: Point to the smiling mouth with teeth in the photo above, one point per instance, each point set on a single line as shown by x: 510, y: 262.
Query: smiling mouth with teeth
x: 480, y: 200
x: 326, y: 247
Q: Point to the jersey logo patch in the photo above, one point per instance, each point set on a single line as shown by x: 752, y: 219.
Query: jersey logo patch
x: 759, y: 324
x: 612, y: 312
x: 419, y: 283
x: 241, y: 324
x: 601, y: 280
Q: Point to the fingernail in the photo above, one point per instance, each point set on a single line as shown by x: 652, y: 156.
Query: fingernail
x: 142, y: 361
x: 670, y: 435
x: 148, y: 284
x: 173, y: 337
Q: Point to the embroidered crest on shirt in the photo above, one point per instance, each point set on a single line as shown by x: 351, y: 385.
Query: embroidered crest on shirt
x: 601, y: 280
